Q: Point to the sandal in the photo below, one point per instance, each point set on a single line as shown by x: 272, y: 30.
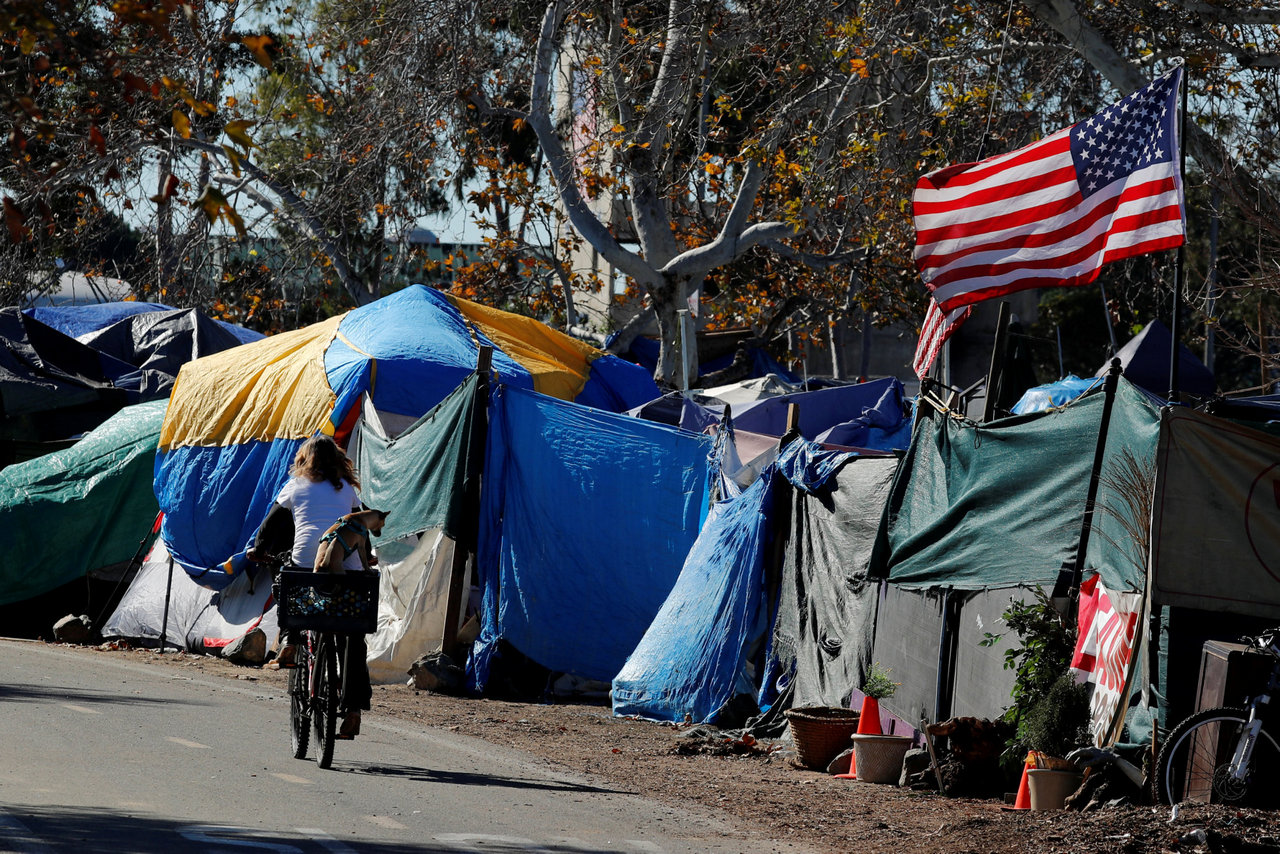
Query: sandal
x: 288, y: 656
x: 350, y: 726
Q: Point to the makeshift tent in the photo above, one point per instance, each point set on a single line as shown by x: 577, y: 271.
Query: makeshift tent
x: 235, y: 419
x: 80, y: 508
x: 703, y: 649
x: 52, y: 386
x: 1146, y: 357
x: 163, y: 602
x: 1216, y: 516
x: 873, y: 415
x: 980, y: 510
x: 586, y: 519
x: 146, y: 333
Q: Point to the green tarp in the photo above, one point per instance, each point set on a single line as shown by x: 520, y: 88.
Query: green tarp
x: 81, y: 508
x: 422, y: 475
x: 1001, y: 504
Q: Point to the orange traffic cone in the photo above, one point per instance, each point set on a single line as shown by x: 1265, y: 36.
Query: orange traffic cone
x: 1023, y: 800
x: 868, y: 724
x: 869, y: 717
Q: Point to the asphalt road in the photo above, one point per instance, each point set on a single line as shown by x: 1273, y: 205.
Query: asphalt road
x: 102, y: 755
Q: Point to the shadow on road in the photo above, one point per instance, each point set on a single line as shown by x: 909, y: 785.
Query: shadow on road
x: 59, y: 694
x: 461, y: 778
x: 69, y: 830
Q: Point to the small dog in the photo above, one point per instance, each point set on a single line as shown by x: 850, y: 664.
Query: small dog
x: 349, y: 534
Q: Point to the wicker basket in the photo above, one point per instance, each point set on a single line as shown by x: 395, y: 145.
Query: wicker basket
x: 821, y: 733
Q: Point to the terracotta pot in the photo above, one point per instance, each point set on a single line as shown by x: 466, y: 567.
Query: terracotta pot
x: 1050, y: 789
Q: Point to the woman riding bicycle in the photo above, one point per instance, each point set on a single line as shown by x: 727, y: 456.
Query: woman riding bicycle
x: 322, y: 487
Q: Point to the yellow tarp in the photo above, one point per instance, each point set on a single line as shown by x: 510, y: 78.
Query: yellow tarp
x: 269, y: 389
x: 559, y: 364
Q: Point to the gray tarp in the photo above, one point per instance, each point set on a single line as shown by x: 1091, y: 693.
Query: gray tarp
x: 1216, y: 516
x: 827, y: 608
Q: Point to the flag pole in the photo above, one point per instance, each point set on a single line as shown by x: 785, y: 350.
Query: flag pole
x: 1179, y: 271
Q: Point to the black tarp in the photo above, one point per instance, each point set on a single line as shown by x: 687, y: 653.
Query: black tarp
x: 1146, y: 359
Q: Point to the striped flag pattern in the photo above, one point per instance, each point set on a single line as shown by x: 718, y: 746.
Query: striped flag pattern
x: 938, y: 327
x: 1052, y: 213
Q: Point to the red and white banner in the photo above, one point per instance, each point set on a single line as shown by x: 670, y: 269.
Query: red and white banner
x: 1104, y: 650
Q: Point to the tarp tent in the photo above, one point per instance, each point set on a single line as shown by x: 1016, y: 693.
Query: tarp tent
x: 1217, y: 506
x: 980, y: 510
x: 52, y: 386
x: 162, y: 602
x: 704, y: 648
x: 85, y: 322
x: 586, y: 519
x: 1146, y: 357
x: 873, y: 415
x: 64, y: 370
x: 79, y: 508
x: 235, y: 420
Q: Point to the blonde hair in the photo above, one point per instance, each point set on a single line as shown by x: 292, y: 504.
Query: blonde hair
x: 320, y: 459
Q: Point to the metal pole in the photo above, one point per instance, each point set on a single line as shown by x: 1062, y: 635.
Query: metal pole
x: 1179, y: 266
x: 1099, y: 454
x: 1106, y: 316
x: 997, y: 362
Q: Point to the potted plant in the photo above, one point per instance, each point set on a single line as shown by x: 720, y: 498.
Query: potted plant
x: 877, y: 758
x: 1050, y: 710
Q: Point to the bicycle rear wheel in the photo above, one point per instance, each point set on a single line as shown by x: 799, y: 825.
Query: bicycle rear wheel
x: 299, y: 713
x: 1194, y: 764
x: 324, y: 710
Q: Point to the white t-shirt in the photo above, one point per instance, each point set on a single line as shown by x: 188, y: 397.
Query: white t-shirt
x: 315, y: 507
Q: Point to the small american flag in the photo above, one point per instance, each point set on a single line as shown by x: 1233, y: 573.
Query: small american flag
x: 938, y: 327
x: 1052, y: 213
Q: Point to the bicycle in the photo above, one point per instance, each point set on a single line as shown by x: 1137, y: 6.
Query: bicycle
x: 1224, y: 755
x: 324, y: 607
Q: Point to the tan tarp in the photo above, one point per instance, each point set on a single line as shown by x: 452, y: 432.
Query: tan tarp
x: 1216, y: 516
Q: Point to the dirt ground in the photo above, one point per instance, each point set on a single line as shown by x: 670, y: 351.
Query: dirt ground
x: 759, y: 785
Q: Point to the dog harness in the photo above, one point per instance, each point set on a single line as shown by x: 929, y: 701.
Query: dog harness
x: 360, y: 530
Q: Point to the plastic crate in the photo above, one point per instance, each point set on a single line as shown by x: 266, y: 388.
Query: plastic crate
x: 346, y: 603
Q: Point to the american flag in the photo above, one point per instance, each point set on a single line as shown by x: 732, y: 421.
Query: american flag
x: 938, y: 327
x: 1052, y: 213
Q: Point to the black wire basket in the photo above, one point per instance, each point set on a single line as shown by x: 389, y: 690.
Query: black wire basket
x: 346, y: 603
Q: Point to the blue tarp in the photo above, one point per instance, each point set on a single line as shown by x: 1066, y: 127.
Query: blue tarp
x: 692, y: 659
x: 78, y: 320
x: 864, y: 415
x: 1048, y: 396
x: 586, y: 519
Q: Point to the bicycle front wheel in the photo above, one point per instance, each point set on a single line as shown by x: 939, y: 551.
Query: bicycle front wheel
x: 299, y: 713
x: 1195, y: 763
x: 324, y: 709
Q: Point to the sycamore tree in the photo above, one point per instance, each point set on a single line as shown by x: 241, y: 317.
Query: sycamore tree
x: 711, y: 145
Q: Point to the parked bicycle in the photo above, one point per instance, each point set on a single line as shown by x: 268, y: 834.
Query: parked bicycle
x: 324, y: 607
x: 1226, y: 755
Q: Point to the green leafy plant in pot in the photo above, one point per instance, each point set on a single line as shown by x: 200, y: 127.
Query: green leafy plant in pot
x: 1049, y: 710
